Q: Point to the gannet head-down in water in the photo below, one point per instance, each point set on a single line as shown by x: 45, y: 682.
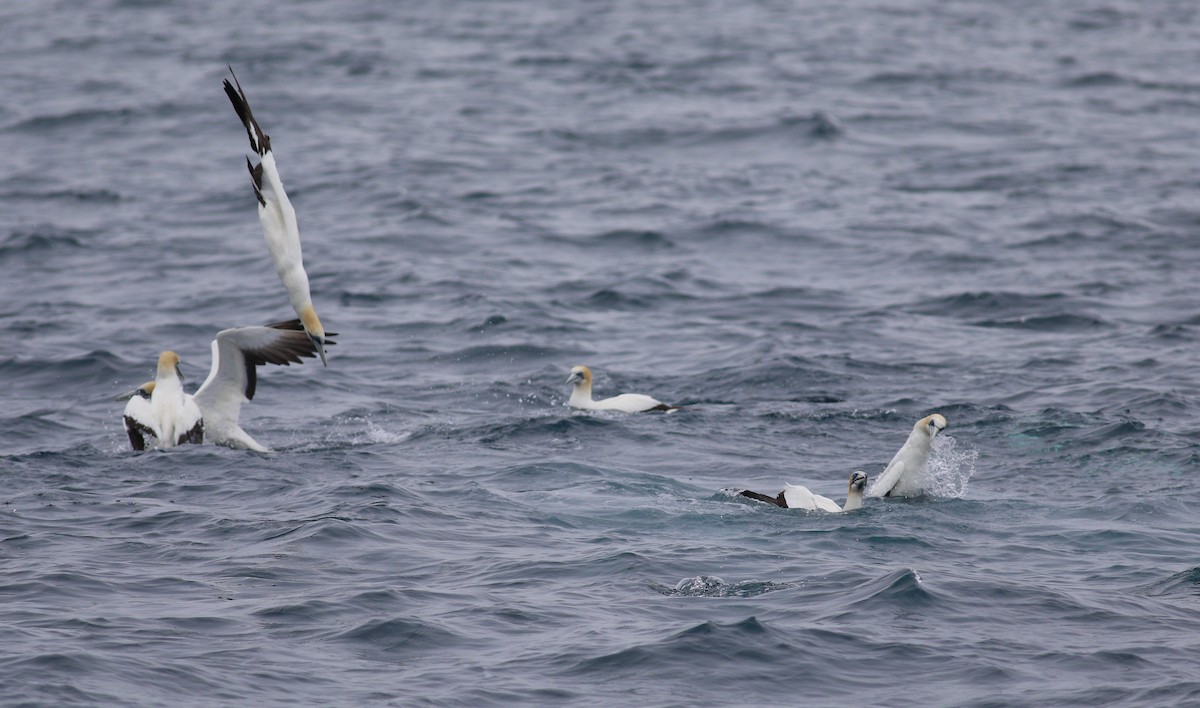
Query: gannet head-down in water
x: 904, y: 476
x: 278, y: 219
x: 155, y: 408
x: 795, y: 496
x: 581, y: 397
x: 162, y: 410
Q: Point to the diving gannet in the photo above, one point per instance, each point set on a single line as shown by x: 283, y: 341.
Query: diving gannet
x: 231, y: 382
x: 905, y: 474
x: 581, y: 397
x: 278, y: 219
x: 162, y: 410
x: 795, y: 496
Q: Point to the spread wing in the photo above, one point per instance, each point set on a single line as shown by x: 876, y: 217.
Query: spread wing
x: 236, y: 352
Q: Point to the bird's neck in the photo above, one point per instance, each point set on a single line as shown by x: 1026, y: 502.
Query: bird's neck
x: 920, y: 440
x: 581, y: 396
x: 167, y: 388
x: 853, y: 500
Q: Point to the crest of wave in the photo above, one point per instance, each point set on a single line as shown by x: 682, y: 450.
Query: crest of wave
x: 950, y: 468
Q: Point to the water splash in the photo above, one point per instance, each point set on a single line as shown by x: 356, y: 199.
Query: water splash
x: 950, y: 468
x: 712, y: 586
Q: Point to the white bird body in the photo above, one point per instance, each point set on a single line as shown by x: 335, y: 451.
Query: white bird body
x: 904, y: 476
x: 231, y: 382
x: 161, y: 409
x: 278, y: 219
x: 797, y: 496
x: 581, y: 397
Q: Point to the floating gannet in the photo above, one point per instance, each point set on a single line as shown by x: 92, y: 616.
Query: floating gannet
x: 795, y: 496
x: 905, y: 474
x: 161, y: 409
x: 231, y: 382
x: 581, y: 397
x: 278, y: 219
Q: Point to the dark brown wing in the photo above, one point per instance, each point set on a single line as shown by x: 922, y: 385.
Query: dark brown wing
x: 777, y: 501
x: 137, y: 433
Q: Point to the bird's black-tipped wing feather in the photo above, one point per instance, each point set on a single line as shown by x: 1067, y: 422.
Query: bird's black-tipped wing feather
x: 260, y: 142
x: 777, y: 501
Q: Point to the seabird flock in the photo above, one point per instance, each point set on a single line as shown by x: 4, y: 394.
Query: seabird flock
x: 160, y: 409
x: 160, y: 414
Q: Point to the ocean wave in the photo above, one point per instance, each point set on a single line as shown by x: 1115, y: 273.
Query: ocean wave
x: 1062, y: 322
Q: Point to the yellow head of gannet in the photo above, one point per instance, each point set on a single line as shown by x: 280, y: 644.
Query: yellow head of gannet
x: 580, y: 376
x: 316, y: 332
x: 932, y: 424
x: 168, y: 365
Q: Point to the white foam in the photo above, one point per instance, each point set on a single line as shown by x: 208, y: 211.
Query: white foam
x: 950, y: 468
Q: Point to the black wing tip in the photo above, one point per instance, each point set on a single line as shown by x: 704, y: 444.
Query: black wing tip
x: 777, y: 501
x: 195, y: 436
x: 292, y: 325
x: 135, y: 431
x: 298, y: 326
x: 260, y: 142
x: 292, y: 348
x: 665, y: 407
x: 256, y: 180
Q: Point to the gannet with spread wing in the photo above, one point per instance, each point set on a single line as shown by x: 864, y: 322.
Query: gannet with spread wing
x: 161, y: 410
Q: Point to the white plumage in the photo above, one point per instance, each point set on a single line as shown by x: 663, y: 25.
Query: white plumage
x: 797, y: 496
x: 231, y: 382
x: 581, y: 397
x: 904, y: 476
x: 160, y: 409
x: 278, y: 219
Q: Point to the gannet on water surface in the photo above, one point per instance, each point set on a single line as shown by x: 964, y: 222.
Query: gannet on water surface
x: 162, y: 410
x: 231, y: 382
x: 581, y: 397
x: 278, y: 219
x: 795, y: 496
x: 904, y: 476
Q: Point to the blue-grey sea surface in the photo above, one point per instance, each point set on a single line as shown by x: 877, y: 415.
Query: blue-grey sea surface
x: 811, y: 223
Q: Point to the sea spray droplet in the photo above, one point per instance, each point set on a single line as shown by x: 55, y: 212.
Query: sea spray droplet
x: 950, y: 468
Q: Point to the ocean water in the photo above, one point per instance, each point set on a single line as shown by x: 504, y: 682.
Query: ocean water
x: 811, y: 223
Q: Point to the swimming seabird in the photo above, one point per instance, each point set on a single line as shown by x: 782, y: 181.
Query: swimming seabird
x: 154, y: 407
x: 278, y: 219
x: 905, y: 474
x: 796, y: 496
x: 161, y: 409
x: 581, y: 397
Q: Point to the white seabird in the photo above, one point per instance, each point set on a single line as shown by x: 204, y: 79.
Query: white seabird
x: 796, y: 496
x: 161, y: 409
x: 581, y: 397
x: 152, y: 408
x: 905, y: 474
x: 278, y: 219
